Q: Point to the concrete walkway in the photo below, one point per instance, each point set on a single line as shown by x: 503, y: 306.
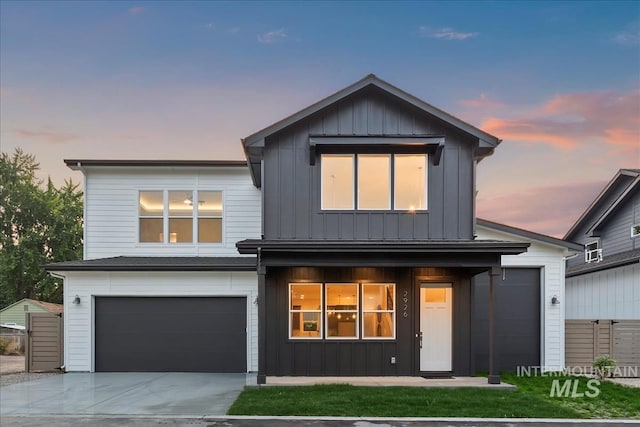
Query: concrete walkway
x: 194, y: 394
x: 455, y: 382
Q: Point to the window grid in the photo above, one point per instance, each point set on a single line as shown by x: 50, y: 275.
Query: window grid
x: 392, y: 191
x: 301, y: 313
x: 390, y: 311
x: 166, y: 233
x: 360, y: 311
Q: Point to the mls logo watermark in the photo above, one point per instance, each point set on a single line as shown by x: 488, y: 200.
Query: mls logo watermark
x: 572, y: 387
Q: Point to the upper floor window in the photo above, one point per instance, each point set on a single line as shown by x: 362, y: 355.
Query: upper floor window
x: 635, y: 230
x: 182, y: 216
x: 374, y: 181
x: 593, y: 252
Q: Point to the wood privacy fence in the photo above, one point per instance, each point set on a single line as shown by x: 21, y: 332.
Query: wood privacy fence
x: 587, y: 339
x: 44, y: 342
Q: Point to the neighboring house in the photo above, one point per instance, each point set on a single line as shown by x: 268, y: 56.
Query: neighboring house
x: 360, y: 255
x: 603, y: 283
x: 162, y: 285
x: 16, y: 313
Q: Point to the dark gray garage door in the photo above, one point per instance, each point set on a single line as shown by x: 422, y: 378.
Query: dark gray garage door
x: 517, y: 317
x: 170, y: 334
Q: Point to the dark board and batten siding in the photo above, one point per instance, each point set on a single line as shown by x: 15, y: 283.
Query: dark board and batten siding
x: 361, y: 357
x: 292, y: 186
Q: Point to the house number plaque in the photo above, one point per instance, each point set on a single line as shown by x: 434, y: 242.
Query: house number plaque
x: 405, y: 303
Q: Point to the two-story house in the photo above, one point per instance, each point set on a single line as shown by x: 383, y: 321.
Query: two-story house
x: 346, y: 244
x: 603, y: 283
x: 162, y: 284
x: 369, y: 257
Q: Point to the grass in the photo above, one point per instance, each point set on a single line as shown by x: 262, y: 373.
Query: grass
x: 531, y: 400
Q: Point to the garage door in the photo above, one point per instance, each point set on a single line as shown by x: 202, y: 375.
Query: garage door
x: 517, y: 317
x: 170, y: 334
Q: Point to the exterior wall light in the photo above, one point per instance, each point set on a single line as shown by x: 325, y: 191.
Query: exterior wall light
x: 555, y: 300
x: 76, y: 300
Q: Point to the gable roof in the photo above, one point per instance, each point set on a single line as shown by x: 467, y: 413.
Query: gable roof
x: 254, y: 143
x: 48, y: 306
x: 632, y: 179
x: 529, y: 235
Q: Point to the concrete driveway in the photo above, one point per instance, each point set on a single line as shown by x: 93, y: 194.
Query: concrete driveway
x: 192, y: 394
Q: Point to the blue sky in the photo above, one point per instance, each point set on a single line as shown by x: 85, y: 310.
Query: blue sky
x: 559, y: 82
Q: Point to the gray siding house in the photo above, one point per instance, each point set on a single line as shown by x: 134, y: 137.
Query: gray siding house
x: 369, y: 263
x: 603, y: 285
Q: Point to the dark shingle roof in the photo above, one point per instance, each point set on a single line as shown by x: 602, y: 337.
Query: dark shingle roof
x: 77, y: 164
x: 124, y: 263
x: 617, y: 260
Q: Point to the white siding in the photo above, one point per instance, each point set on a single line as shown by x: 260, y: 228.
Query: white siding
x: 608, y: 294
x: 550, y: 259
x: 111, y: 209
x: 79, y: 319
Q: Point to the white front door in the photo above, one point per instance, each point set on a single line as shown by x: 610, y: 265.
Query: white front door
x: 435, y: 327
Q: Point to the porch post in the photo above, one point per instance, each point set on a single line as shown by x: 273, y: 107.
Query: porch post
x: 494, y: 375
x: 262, y: 323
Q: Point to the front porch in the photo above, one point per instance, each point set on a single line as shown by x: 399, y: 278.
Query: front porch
x: 298, y: 335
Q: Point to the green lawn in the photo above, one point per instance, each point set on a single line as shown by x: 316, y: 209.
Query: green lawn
x: 530, y: 400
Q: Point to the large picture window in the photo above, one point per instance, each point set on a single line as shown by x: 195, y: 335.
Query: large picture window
x: 378, y: 310
x: 365, y: 182
x: 305, y: 310
x: 180, y: 216
x: 337, y: 181
x: 410, y: 182
x: 342, y: 311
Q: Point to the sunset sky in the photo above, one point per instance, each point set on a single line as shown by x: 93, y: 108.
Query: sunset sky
x: 559, y: 82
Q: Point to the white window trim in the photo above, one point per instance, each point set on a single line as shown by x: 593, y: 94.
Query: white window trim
x: 194, y: 216
x: 393, y: 316
x: 139, y: 217
x: 588, y: 254
x: 357, y: 310
x: 290, y: 311
x: 635, y: 230
x: 390, y: 202
x: 426, y: 185
x: 353, y: 179
x: 392, y: 182
x: 196, y: 225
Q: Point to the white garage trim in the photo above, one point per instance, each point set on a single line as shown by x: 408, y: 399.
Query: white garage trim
x: 79, y: 324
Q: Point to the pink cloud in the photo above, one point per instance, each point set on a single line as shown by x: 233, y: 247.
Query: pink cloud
x: 483, y: 101
x: 567, y: 121
x: 51, y: 136
x: 549, y: 210
x: 137, y: 10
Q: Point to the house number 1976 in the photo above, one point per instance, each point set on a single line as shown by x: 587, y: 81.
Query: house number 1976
x: 405, y: 306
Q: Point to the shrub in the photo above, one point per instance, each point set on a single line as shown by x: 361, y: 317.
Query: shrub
x: 604, y: 366
x: 4, y: 345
